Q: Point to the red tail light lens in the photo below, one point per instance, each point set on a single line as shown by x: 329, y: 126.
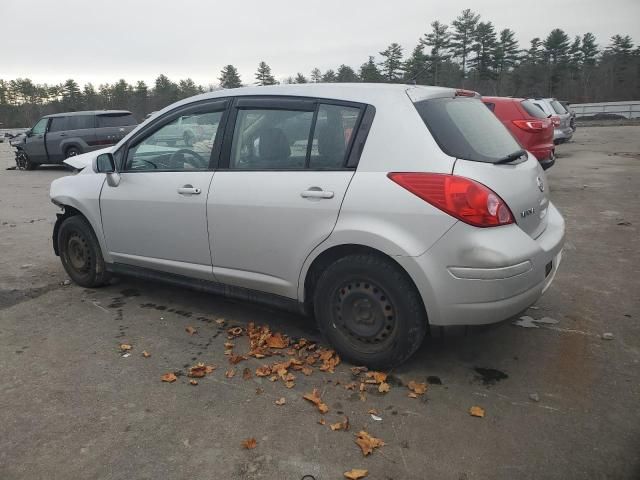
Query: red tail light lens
x: 556, y: 121
x: 530, y: 125
x: 460, y: 197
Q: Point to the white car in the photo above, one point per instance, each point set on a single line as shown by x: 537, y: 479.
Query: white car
x: 377, y: 209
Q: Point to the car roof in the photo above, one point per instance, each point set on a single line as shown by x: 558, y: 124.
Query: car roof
x: 502, y: 99
x: 89, y: 112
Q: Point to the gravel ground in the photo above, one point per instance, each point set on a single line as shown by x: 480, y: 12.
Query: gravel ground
x: 561, y: 402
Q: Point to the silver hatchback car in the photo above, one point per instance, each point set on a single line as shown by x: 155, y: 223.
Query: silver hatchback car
x: 377, y: 209
x: 562, y: 118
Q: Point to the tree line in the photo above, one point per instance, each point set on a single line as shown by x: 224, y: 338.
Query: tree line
x: 469, y: 53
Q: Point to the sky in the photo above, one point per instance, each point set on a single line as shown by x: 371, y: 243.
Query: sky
x: 90, y: 41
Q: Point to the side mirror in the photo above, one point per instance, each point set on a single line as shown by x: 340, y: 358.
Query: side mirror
x: 105, y: 163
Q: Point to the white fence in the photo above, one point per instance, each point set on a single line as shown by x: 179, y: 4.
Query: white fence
x: 630, y: 109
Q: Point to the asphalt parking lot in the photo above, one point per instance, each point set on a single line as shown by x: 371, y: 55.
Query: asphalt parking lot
x: 560, y: 401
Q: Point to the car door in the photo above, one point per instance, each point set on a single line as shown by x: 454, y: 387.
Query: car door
x: 55, y: 135
x: 34, y: 143
x: 278, y: 192
x: 156, y: 216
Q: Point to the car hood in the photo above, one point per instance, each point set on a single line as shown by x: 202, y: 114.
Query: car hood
x: 86, y: 159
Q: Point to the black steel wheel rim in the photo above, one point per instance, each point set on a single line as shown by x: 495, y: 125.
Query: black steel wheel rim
x: 363, y: 312
x: 78, y: 253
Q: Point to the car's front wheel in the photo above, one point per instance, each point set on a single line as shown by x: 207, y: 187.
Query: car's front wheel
x: 72, y: 152
x: 80, y: 253
x: 370, y: 311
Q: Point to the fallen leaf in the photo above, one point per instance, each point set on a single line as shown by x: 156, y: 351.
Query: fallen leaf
x: 259, y: 391
x: 289, y: 377
x: 249, y: 443
x: 190, y: 330
x: 228, y: 345
x: 263, y: 371
x: 230, y: 373
x: 383, y: 387
x: 417, y: 388
x: 197, y: 371
x: 209, y: 368
x: 377, y: 377
x: 273, y: 378
x: 235, y: 331
x: 344, y: 425
x: 246, y: 374
x: 351, y: 386
x: 235, y: 359
x: 307, y: 370
x: 291, y: 352
x: 146, y: 354
x: 358, y: 370
x: 277, y: 341
x: 412, y: 395
x: 221, y: 321
x: 373, y: 411
x: 289, y: 384
x: 476, y: 411
x: 356, y: 474
x: 367, y: 443
x: 169, y: 377
x: 125, y: 346
x: 281, y: 401
x: 193, y: 382
x: 314, y: 398
x: 322, y: 421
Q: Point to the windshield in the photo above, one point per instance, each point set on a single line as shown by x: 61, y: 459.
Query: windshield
x: 465, y: 128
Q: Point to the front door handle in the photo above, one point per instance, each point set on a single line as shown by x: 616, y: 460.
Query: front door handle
x: 316, y: 192
x: 188, y: 190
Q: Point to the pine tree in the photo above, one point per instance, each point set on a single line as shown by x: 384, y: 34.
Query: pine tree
x: 556, y: 52
x: 506, y: 56
x: 71, y: 95
x: 300, y: 78
x: 141, y: 99
x: 263, y: 75
x: 416, y: 66
x: 346, y: 74
x: 329, y: 76
x: 589, y: 49
x: 461, y: 41
x: 369, y: 72
x: 391, y: 66
x: 229, y: 77
x: 484, y: 46
x: 439, y: 41
x: 316, y: 75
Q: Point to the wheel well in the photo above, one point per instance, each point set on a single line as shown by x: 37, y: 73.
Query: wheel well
x: 69, y: 147
x: 332, y: 254
x: 68, y: 212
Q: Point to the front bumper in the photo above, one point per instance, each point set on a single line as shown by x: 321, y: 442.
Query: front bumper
x: 475, y: 276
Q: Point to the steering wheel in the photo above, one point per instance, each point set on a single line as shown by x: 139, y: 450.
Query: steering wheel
x: 174, y: 155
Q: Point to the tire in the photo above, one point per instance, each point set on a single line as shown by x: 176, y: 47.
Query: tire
x: 80, y: 253
x: 72, y: 152
x: 370, y: 311
x: 28, y: 164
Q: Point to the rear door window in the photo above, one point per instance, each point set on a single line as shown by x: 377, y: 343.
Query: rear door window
x: 80, y: 122
x: 116, y: 120
x: 533, y: 109
x: 465, y: 128
x: 58, y: 124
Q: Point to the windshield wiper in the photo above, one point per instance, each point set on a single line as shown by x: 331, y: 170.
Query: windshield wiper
x: 512, y: 156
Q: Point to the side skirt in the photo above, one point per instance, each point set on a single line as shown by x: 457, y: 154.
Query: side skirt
x: 196, y: 284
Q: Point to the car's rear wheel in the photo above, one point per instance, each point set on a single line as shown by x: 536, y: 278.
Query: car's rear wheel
x: 72, y: 152
x: 80, y: 253
x: 370, y: 311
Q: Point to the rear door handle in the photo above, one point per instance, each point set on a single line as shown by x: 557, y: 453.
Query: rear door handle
x: 188, y: 190
x: 315, y: 192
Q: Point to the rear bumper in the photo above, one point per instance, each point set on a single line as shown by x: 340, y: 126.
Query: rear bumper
x: 475, y: 276
x: 561, y: 135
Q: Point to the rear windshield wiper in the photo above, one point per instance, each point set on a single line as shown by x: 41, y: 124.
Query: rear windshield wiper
x: 512, y: 156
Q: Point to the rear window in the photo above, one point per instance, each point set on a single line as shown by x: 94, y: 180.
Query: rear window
x: 557, y: 107
x: 533, y: 109
x: 117, y: 120
x: 465, y: 128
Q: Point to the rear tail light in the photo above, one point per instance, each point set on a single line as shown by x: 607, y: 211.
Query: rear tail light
x: 556, y: 121
x: 460, y: 197
x: 531, y: 125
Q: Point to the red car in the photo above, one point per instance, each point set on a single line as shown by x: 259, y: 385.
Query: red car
x: 528, y: 124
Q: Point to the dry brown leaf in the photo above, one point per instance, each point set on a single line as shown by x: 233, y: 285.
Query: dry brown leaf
x: 307, y: 371
x: 190, y: 330
x: 197, y: 371
x: 209, y: 368
x: 289, y: 377
x: 322, y: 421
x: 384, y: 387
x: 476, y: 411
x: 146, y: 354
x: 277, y: 341
x: 412, y: 395
x: 235, y: 359
x: 291, y: 352
x: 169, y: 377
x: 263, y: 371
x: 125, y: 347
x: 358, y: 370
x: 289, y: 384
x: 193, y: 382
x: 367, y: 443
x: 281, y: 401
x: 221, y: 321
x: 235, y: 331
x: 249, y: 443
x: 344, y: 425
x: 363, y: 387
x: 377, y: 377
x: 417, y: 387
x: 230, y: 373
x: 246, y: 374
x: 372, y: 411
x: 314, y: 398
x: 356, y: 474
x: 228, y: 345
x: 363, y: 396
x: 351, y: 386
